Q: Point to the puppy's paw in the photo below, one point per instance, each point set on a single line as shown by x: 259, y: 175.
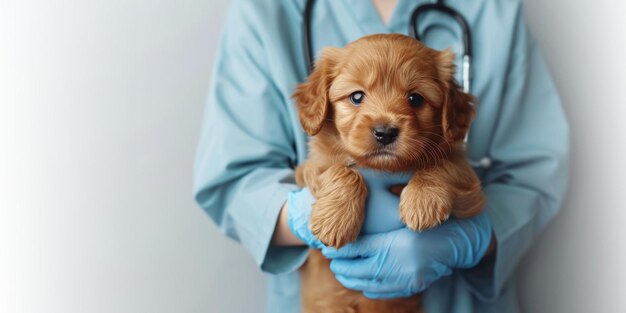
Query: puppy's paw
x: 424, y: 207
x: 469, y: 202
x: 338, y: 212
x: 333, y: 228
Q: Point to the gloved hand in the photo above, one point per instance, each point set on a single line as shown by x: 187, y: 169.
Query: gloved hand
x: 382, y: 207
x: 299, y: 203
x: 402, y: 263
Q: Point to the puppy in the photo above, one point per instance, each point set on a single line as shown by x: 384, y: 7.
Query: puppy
x: 389, y: 103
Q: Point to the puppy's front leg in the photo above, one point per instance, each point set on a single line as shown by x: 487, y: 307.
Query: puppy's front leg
x: 339, y: 208
x: 307, y: 175
x: 427, y: 200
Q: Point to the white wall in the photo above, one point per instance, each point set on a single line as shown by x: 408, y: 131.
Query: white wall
x: 578, y: 264
x: 99, y: 118
x: 109, y: 96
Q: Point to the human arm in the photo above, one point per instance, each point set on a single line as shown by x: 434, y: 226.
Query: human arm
x: 525, y: 186
x: 244, y: 163
x: 292, y: 228
x: 283, y: 236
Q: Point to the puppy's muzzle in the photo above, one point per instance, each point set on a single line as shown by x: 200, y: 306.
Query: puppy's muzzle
x: 385, y: 134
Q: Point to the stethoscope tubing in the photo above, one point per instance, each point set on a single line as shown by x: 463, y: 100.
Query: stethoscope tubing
x: 465, y: 29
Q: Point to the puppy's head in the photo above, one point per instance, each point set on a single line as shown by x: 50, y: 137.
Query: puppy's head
x: 387, y: 101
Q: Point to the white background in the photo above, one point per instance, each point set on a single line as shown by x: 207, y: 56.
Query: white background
x: 100, y: 112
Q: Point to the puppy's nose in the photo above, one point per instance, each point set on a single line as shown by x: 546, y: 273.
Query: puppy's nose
x: 385, y: 134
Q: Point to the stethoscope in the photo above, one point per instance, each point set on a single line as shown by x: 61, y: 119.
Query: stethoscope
x: 439, y: 6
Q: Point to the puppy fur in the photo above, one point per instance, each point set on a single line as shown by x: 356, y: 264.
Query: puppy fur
x: 387, y: 69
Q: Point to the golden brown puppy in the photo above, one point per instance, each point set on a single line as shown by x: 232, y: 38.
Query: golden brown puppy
x: 389, y: 103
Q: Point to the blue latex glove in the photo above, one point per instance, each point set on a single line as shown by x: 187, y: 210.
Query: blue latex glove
x: 401, y: 263
x: 299, y: 203
x: 381, y: 207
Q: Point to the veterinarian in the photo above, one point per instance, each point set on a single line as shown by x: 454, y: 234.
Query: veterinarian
x: 252, y: 140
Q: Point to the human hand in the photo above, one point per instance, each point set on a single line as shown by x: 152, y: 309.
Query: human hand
x: 382, y: 204
x: 402, y: 263
x: 382, y: 207
x: 299, y: 204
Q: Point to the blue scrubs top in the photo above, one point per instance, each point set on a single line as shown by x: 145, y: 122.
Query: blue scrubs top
x: 251, y: 139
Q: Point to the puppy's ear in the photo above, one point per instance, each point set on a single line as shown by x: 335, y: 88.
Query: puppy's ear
x: 445, y: 65
x: 458, y: 108
x: 312, y: 96
x: 458, y: 112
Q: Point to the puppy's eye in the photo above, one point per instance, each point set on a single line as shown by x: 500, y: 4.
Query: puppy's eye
x: 415, y: 100
x: 357, y: 97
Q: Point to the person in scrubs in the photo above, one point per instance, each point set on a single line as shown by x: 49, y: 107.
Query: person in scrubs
x: 252, y: 140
